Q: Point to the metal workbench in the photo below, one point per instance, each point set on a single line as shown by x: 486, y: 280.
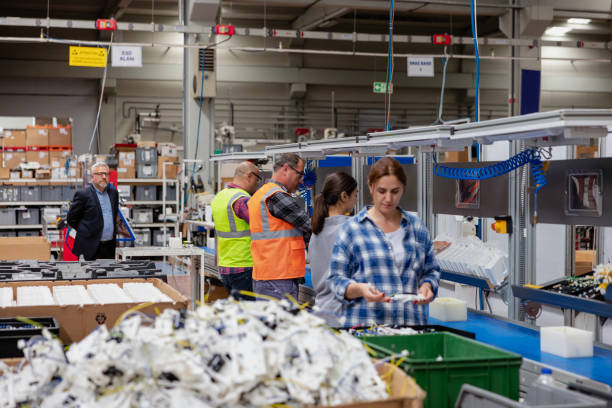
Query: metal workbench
x: 197, y: 281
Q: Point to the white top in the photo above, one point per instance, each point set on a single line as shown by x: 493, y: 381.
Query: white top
x: 396, y: 238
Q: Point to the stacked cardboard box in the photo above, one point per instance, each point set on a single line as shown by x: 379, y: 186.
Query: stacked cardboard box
x: 37, y: 137
x: 60, y: 136
x: 15, y: 138
x: 126, y: 167
x: 171, y: 169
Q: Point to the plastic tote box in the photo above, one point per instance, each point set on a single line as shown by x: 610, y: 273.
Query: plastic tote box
x: 30, y: 193
x: 143, y: 215
x: 158, y: 237
x: 53, y: 193
x: 8, y: 216
x: 143, y: 236
x: 539, y: 395
x: 146, y: 171
x: 146, y: 155
x: 170, y: 193
x: 28, y: 233
x: 442, y: 362
x: 146, y: 193
x: 29, y: 216
x: 13, y: 330
x: 10, y: 193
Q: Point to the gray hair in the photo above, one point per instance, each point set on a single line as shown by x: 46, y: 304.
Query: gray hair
x: 98, y: 164
x: 291, y: 159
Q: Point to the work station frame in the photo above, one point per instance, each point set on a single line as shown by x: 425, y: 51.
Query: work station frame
x: 567, y: 127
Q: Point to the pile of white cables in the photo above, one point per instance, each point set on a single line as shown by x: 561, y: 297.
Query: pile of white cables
x: 228, y: 354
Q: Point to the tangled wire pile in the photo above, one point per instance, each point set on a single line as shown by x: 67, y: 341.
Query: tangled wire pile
x: 228, y: 354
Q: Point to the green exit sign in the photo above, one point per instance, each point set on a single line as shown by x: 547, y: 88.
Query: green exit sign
x: 381, y: 87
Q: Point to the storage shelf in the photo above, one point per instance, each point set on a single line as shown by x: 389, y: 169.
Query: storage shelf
x: 152, y: 225
x: 466, y: 279
x: 145, y: 181
x: 33, y: 203
x: 20, y: 227
x: 563, y: 301
x: 158, y: 202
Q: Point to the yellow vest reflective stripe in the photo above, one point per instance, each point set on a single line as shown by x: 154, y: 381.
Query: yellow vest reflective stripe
x: 233, y: 235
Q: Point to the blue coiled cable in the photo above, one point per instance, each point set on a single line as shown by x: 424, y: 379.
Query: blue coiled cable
x: 531, y: 156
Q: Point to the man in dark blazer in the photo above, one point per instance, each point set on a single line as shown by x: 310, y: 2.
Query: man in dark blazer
x: 92, y: 214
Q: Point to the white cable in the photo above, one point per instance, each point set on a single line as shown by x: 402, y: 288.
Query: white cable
x: 93, y: 136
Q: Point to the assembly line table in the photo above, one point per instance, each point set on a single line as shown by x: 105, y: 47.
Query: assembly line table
x: 526, y: 342
x: 197, y: 282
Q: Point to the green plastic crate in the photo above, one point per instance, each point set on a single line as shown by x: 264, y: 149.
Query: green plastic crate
x: 464, y: 361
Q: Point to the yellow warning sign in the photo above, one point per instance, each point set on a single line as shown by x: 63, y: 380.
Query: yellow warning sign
x: 87, y: 57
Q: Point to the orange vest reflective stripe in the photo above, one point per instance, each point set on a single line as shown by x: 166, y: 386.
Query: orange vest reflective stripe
x: 276, y: 246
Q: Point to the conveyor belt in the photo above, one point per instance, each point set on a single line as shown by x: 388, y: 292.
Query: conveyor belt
x: 526, y: 342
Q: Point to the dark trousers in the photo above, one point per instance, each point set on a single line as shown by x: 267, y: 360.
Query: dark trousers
x: 235, y: 282
x: 106, y: 250
x: 277, y: 288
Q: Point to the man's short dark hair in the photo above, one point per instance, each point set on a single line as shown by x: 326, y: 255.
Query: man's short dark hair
x: 291, y: 159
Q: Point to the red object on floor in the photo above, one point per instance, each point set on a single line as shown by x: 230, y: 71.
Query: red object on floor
x: 67, y: 245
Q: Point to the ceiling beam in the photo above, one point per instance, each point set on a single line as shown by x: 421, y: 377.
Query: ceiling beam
x: 315, y: 16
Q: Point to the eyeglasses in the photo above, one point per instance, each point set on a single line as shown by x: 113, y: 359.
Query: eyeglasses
x: 256, y: 175
x: 301, y: 173
x: 101, y: 174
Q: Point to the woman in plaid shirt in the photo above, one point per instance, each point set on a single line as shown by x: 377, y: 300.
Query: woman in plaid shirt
x: 383, y: 251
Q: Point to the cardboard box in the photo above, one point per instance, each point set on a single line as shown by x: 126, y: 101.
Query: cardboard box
x: 147, y: 143
x: 27, y: 174
x: 57, y: 158
x: 453, y: 157
x: 18, y: 248
x: 586, y: 152
x: 40, y: 157
x: 14, y: 138
x: 37, y: 137
x: 12, y: 160
x: 127, y: 159
x: 171, y: 169
x: 5, y: 173
x: 584, y: 261
x: 167, y: 149
x: 405, y: 392
x: 60, y: 136
x: 43, y: 174
x: 126, y: 172
x: 76, y: 322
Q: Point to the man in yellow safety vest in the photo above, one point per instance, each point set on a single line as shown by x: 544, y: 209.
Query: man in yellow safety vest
x: 231, y: 218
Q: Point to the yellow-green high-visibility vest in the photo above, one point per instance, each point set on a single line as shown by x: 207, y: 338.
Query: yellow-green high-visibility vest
x: 233, y: 234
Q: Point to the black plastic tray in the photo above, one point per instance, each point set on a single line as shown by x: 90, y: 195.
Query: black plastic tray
x: 21, y: 330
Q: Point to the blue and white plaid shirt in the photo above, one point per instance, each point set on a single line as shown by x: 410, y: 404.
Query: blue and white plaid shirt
x: 363, y: 254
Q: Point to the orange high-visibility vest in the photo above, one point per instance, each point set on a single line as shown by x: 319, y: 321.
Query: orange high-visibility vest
x: 276, y: 246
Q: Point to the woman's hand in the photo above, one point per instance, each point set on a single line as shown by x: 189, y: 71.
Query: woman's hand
x: 367, y: 291
x: 426, y: 290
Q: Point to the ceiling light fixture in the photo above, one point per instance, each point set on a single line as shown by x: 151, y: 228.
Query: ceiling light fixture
x: 582, y: 21
x: 557, y: 31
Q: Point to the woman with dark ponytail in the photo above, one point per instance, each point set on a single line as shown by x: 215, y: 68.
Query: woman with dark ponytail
x: 337, y: 199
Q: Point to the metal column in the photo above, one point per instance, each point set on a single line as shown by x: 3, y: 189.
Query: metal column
x: 425, y: 190
x: 191, y: 106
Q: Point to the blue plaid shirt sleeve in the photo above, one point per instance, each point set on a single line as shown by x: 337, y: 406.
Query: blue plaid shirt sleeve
x: 340, y: 265
x: 431, y: 269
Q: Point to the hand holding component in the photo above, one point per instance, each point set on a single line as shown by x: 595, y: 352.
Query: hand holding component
x: 427, y: 291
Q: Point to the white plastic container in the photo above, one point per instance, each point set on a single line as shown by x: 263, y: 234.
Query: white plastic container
x: 448, y: 309
x: 566, y: 341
